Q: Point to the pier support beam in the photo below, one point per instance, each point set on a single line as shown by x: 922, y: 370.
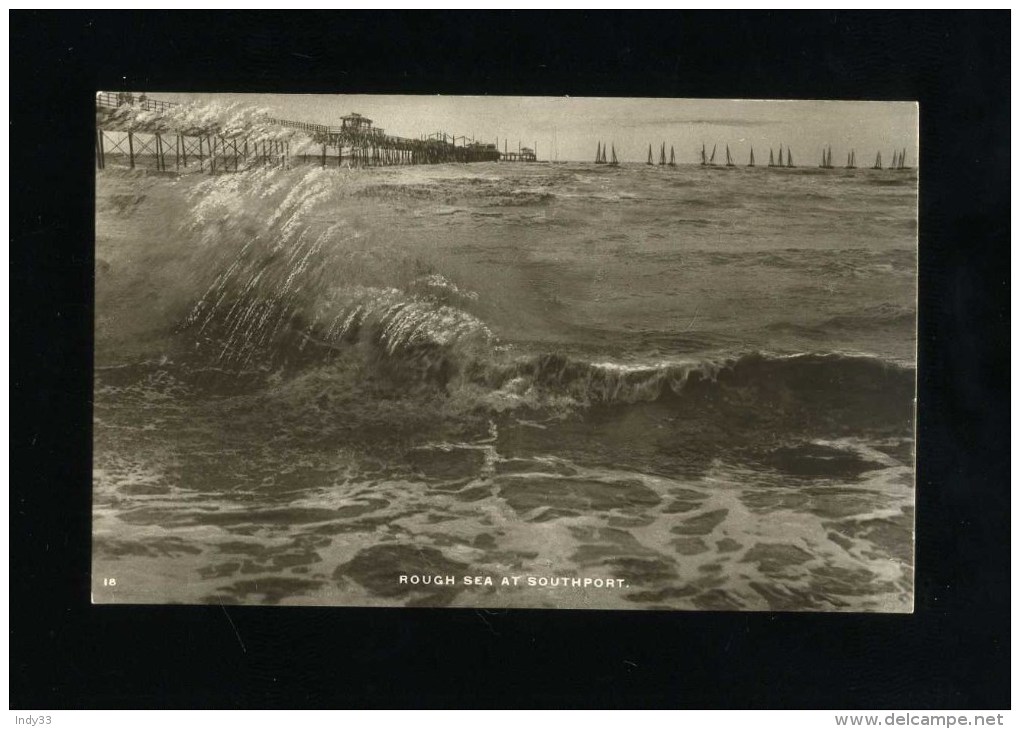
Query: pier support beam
x: 100, y: 153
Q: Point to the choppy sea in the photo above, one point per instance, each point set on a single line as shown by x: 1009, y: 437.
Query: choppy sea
x: 696, y: 383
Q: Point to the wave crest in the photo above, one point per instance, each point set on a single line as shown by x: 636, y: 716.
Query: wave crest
x: 752, y: 376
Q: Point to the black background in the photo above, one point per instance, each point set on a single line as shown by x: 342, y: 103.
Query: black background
x: 953, y: 652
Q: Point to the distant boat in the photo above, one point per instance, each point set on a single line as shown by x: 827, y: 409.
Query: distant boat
x: 772, y: 162
x: 672, y: 156
x: 878, y: 162
x: 729, y: 160
x: 851, y: 162
x: 903, y: 163
x: 751, y: 162
x: 789, y: 157
x: 780, y: 155
x: 826, y: 159
x: 662, y: 154
x: 649, y: 155
x: 704, y: 156
x: 598, y: 153
x: 711, y: 160
x: 615, y: 162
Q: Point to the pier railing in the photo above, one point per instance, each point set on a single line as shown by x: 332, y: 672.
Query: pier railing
x: 109, y: 100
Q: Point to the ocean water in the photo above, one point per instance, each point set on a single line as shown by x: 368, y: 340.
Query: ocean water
x: 628, y: 388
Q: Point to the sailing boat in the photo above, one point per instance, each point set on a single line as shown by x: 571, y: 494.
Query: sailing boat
x: 903, y: 157
x: 751, y: 163
x: 772, y: 162
x: 672, y: 156
x: 780, y: 155
x: 615, y: 162
x: 704, y: 157
x: 649, y: 155
x: 711, y: 160
x: 850, y: 162
x: 729, y: 160
x: 662, y: 154
x: 878, y: 162
x: 603, y: 154
x: 598, y: 153
x: 789, y: 157
x: 827, y: 158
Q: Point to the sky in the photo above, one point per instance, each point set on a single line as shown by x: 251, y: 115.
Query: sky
x: 566, y: 128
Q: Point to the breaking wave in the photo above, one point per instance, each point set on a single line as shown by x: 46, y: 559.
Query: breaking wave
x: 809, y: 376
x: 303, y: 288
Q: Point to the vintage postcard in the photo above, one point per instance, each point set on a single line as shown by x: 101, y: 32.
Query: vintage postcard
x: 505, y: 352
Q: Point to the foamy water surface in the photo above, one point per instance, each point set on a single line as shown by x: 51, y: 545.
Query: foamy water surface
x: 311, y: 382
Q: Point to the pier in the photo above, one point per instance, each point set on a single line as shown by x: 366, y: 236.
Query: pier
x: 156, y: 144
x: 523, y: 154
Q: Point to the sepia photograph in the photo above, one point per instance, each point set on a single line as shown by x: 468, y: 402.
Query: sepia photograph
x: 445, y: 360
x: 504, y: 352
